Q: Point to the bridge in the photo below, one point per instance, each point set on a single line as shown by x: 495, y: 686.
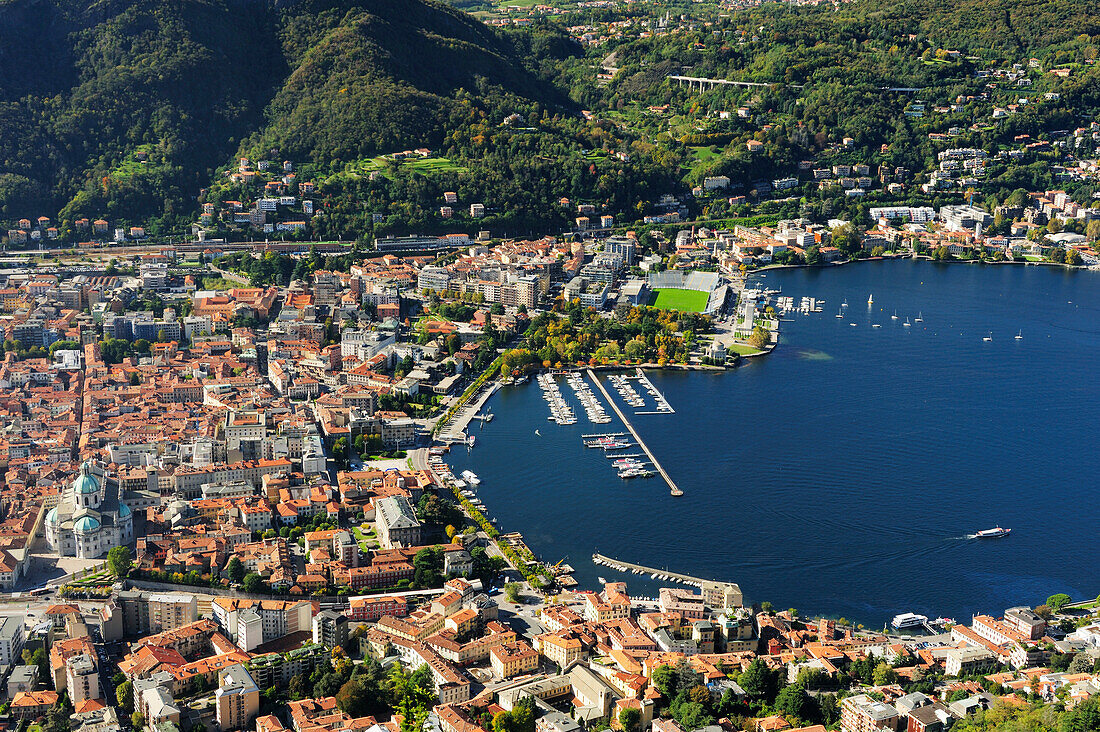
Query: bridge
x: 704, y: 83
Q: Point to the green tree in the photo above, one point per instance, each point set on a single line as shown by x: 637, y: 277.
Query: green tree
x: 137, y: 719
x: 1081, y: 664
x: 114, y: 350
x: 793, y: 701
x: 511, y: 592
x: 120, y: 560
x: 884, y: 674
x: 63, y: 346
x: 124, y: 692
x: 254, y: 584
x: 760, y: 338
x: 428, y: 567
x: 234, y: 570
x: 664, y: 677
x: 57, y: 718
x: 356, y: 696
x: 1058, y: 601
x: 629, y: 719
x: 758, y: 681
x: 297, y: 688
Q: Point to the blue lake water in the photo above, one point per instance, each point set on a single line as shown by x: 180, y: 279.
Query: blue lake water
x: 842, y: 473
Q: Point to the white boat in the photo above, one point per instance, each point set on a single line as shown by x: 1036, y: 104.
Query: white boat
x: 919, y: 318
x: 871, y: 299
x: 601, y: 580
x: 471, y: 440
x: 894, y: 316
x: 989, y: 337
x: 875, y: 325
x: 840, y: 315
x: 907, y: 324
x: 995, y: 533
x: 471, y: 477
x: 1020, y: 335
x: 908, y: 620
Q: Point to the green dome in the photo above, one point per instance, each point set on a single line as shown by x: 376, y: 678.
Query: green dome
x: 86, y: 524
x: 123, y: 510
x: 51, y: 517
x: 86, y: 483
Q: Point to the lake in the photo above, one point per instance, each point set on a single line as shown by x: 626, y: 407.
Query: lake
x: 845, y: 473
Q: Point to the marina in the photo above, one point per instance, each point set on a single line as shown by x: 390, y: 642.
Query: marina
x: 560, y: 412
x: 673, y: 489
x: 622, y: 384
x: 592, y: 407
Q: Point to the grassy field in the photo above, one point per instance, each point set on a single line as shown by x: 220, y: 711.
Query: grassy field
x: 686, y: 300
x: 424, y: 166
x: 131, y: 166
x: 741, y: 349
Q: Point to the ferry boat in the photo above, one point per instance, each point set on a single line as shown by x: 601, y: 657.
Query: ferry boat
x: 995, y: 533
x: 908, y: 620
x: 471, y: 477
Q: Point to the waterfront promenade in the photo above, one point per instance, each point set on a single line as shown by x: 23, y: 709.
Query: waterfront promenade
x: 645, y: 448
x: 461, y: 420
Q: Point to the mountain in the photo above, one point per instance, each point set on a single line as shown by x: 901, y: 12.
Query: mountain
x: 126, y: 108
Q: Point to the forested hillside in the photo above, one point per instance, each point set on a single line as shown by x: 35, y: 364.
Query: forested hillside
x: 136, y: 111
x: 88, y: 88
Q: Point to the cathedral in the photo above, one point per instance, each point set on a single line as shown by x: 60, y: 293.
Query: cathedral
x: 91, y: 517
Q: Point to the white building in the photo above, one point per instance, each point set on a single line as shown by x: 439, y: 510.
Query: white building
x: 91, y: 517
x: 12, y: 638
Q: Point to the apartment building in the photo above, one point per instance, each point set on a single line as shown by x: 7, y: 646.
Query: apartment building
x: 237, y: 698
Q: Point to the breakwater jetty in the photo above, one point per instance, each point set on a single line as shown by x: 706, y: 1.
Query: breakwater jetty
x: 673, y: 489
x: 721, y: 594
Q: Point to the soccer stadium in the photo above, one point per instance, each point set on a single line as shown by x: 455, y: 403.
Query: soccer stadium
x: 699, y: 292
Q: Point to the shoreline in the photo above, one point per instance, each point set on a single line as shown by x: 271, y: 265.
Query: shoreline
x: 915, y: 257
x: 503, y: 508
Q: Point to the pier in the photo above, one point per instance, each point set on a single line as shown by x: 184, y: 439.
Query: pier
x: 468, y: 413
x: 728, y: 590
x: 663, y: 407
x: 641, y: 443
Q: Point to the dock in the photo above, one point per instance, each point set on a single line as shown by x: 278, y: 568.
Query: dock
x: 726, y: 589
x: 661, y: 401
x: 469, y: 412
x: 641, y: 443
